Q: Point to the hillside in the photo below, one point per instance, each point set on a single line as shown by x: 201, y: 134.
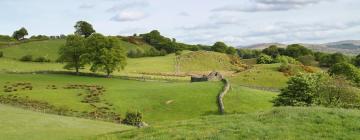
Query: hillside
x: 201, y: 61
x: 19, y: 124
x: 279, y: 123
x: 351, y: 47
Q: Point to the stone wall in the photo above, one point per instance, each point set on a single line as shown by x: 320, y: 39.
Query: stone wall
x: 224, y: 91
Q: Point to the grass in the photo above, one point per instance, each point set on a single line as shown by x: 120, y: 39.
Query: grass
x: 47, y: 48
x: 244, y: 100
x: 158, y: 101
x: 165, y: 64
x: 205, y: 61
x: 261, y: 76
x: 279, y: 123
x: 19, y: 124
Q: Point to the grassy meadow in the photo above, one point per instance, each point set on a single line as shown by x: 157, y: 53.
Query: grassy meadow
x: 19, y: 124
x: 291, y: 123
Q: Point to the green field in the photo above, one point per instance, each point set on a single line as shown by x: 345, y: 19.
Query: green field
x: 157, y: 100
x: 261, y: 76
x: 205, y: 61
x: 19, y: 124
x: 47, y: 48
x: 280, y: 123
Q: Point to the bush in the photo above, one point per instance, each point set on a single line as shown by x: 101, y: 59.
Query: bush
x: 178, y: 53
x: 286, y: 60
x: 307, y: 60
x: 337, y: 92
x: 351, y: 72
x: 300, y: 90
x: 1, y: 54
x: 133, y: 118
x: 26, y: 58
x: 264, y: 59
x: 41, y: 59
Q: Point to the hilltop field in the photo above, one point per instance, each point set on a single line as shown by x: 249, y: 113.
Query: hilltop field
x: 159, y: 87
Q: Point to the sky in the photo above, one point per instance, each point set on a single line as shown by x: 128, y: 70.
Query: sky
x: 235, y: 22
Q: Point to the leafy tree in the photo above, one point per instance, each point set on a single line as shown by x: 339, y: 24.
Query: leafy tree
x: 300, y: 90
x: 346, y: 69
x: 332, y: 59
x: 105, y: 54
x: 248, y: 54
x: 231, y: 51
x: 20, y: 34
x: 160, y: 42
x: 272, y: 51
x: 72, y: 52
x: 297, y: 50
x: 219, y: 47
x: 264, y: 59
x: 307, y: 60
x: 357, y: 61
x: 84, y: 28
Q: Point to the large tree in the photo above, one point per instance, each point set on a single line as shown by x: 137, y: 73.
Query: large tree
x: 20, y: 34
x: 105, y: 54
x: 71, y: 53
x: 272, y: 51
x: 219, y: 47
x: 84, y: 28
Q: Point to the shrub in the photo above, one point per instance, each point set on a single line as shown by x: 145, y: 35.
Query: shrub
x: 300, y: 90
x: 133, y: 118
x: 348, y: 70
x: 286, y: 59
x: 264, y: 59
x: 178, y: 53
x: 41, y: 59
x: 26, y: 58
x: 307, y: 60
x: 337, y: 92
x: 1, y: 54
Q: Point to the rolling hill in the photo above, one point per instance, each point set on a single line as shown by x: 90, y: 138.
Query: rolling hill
x: 279, y: 123
x: 351, y: 47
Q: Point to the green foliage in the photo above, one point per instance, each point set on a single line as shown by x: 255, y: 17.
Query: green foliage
x: 105, y: 54
x: 332, y: 59
x: 300, y: 90
x: 72, y: 51
x: 286, y: 60
x: 39, y: 37
x: 337, y: 92
x: 356, y: 61
x: 264, y: 59
x: 41, y: 59
x: 307, y: 60
x: 248, y: 54
x: 231, y: 51
x: 84, y: 28
x: 1, y: 54
x: 219, y: 47
x: 348, y: 70
x: 6, y: 38
x: 20, y: 34
x: 133, y: 118
x: 297, y: 50
x: 160, y: 42
x: 26, y: 58
x: 272, y: 51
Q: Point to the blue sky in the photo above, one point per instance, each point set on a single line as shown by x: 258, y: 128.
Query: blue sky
x: 236, y: 22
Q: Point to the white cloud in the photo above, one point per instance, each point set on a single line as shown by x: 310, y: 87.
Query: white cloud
x: 268, y: 5
x: 129, y: 5
x: 129, y: 16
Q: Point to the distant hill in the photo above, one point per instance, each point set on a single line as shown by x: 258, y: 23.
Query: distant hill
x: 350, y: 47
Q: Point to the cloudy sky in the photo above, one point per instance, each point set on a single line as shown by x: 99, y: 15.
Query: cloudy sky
x: 236, y: 22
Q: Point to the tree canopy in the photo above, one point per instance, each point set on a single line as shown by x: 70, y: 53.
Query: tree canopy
x: 84, y: 28
x: 20, y: 34
x: 71, y: 53
x: 105, y: 54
